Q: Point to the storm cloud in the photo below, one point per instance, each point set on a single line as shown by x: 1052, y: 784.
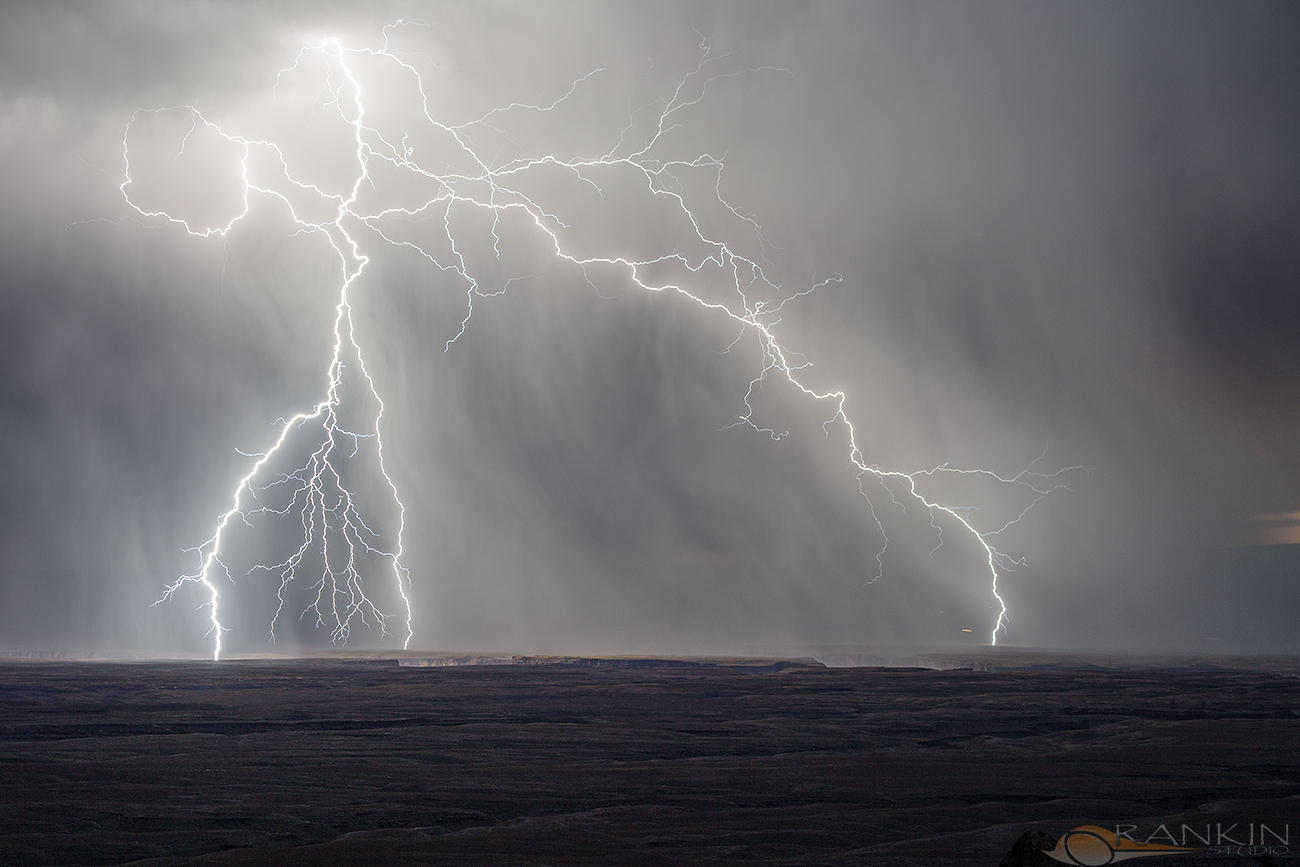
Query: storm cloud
x: 1060, y: 226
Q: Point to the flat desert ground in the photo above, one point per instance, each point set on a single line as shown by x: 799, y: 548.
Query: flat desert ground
x: 365, y: 761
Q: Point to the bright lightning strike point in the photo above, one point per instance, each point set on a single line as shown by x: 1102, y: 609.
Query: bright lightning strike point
x: 368, y: 209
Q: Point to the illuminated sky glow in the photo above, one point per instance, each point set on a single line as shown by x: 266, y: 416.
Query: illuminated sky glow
x: 488, y: 349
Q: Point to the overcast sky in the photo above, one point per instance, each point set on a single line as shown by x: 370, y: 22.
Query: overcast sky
x: 1061, y: 227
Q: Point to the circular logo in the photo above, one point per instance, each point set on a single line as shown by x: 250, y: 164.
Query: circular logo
x: 1088, y: 849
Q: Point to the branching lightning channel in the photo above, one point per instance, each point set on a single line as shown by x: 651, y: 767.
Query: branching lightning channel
x: 333, y: 528
x: 331, y: 521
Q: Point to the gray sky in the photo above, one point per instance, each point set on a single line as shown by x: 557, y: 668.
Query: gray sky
x: 1061, y: 226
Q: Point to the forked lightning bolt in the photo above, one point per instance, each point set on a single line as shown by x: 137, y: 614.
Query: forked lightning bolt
x: 334, y: 529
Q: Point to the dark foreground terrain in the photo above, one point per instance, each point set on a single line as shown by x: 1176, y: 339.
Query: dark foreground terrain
x: 335, y: 762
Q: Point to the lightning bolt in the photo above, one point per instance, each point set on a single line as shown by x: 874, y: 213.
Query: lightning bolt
x: 317, y: 493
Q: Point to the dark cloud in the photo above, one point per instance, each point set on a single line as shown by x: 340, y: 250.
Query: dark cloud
x: 1065, y: 225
